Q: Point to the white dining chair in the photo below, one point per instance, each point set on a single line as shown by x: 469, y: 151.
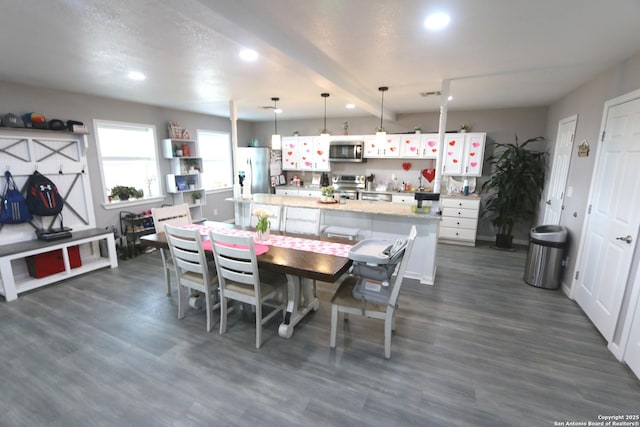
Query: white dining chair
x: 193, y: 271
x: 344, y: 302
x: 302, y: 220
x: 275, y: 220
x: 241, y: 280
x: 173, y: 215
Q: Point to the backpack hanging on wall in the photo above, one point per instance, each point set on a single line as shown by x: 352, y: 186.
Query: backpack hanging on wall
x: 13, y: 207
x: 43, y: 197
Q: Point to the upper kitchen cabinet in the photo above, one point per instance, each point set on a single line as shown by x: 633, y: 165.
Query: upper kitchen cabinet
x: 421, y: 146
x: 389, y: 148
x: 304, y: 153
x: 463, y: 154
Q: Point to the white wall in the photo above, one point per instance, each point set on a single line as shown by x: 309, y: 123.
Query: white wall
x: 587, y: 101
x: 19, y: 99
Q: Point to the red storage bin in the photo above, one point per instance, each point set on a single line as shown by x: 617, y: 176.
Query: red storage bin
x: 48, y: 263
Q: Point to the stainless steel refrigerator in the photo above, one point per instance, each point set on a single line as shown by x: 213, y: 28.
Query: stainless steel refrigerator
x: 253, y: 163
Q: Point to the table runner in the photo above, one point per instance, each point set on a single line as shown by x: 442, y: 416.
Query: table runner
x: 298, y: 243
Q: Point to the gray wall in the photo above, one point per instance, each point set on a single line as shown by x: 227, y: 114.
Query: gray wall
x: 501, y: 125
x: 19, y: 99
x: 587, y: 102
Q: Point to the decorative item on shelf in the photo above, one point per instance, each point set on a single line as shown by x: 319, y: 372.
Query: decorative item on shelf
x: 122, y: 192
x: 191, y: 165
x: 464, y: 128
x: 186, y: 134
x: 295, y: 133
x: 263, y: 225
x: 175, y: 130
x: 327, y: 194
x: 196, y: 197
x: 417, y: 129
x: 346, y: 127
x: 186, y: 151
x: 514, y: 188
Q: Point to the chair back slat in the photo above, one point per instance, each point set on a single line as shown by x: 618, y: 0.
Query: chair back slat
x: 397, y: 283
x: 235, y: 260
x: 302, y: 220
x: 173, y: 215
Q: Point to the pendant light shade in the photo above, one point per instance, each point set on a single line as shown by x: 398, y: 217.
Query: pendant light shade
x: 325, y: 133
x: 276, y: 139
x: 381, y: 134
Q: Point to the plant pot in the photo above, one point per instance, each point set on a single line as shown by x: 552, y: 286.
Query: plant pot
x: 123, y: 197
x: 264, y: 235
x: 504, y: 241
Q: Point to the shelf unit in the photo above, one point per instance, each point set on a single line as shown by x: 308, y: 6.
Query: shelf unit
x: 132, y: 227
x: 185, y: 178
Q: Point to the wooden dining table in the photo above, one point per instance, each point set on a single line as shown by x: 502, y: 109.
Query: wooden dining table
x: 301, y: 268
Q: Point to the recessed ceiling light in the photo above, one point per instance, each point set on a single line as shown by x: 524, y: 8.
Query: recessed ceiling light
x: 436, y: 21
x: 351, y: 106
x: 278, y: 110
x: 249, y: 55
x: 136, y: 75
x: 450, y: 98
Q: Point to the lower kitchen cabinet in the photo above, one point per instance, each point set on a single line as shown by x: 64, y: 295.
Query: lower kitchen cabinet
x: 459, y: 220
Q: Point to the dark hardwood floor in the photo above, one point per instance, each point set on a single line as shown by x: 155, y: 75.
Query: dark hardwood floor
x: 481, y: 348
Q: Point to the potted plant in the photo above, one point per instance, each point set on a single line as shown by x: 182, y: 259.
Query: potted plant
x: 122, y: 192
x: 327, y: 193
x: 514, y: 189
x: 196, y: 197
x: 464, y: 128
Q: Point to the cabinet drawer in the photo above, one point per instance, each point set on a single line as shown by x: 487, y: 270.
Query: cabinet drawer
x: 457, y: 234
x: 460, y: 213
x: 460, y: 203
x: 462, y: 223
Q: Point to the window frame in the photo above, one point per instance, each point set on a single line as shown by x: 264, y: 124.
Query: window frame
x: 199, y: 132
x: 106, y: 203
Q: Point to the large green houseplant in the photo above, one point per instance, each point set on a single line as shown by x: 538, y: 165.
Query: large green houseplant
x: 514, y: 188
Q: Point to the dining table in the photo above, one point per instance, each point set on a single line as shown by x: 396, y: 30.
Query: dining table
x: 302, y: 258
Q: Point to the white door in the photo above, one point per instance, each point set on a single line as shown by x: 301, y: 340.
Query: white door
x: 612, y: 219
x: 560, y: 170
x: 632, y: 352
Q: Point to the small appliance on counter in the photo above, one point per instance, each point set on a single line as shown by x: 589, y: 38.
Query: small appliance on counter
x: 324, y: 180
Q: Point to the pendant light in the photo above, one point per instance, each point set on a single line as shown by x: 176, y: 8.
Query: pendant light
x: 381, y: 134
x: 276, y: 139
x: 324, y: 135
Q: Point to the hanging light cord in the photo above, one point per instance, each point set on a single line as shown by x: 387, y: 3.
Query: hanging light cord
x: 325, y: 96
x: 275, y: 114
x: 382, y: 89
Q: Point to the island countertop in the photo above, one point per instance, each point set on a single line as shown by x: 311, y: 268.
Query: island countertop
x: 360, y: 206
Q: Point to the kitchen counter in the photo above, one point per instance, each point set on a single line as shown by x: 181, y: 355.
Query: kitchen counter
x: 373, y: 220
x: 359, y: 206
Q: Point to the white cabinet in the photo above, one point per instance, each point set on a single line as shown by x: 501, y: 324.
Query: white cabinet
x: 464, y: 153
x: 459, y: 220
x: 389, y: 147
x: 184, y: 183
x: 305, y: 153
x: 419, y: 146
x: 407, y: 199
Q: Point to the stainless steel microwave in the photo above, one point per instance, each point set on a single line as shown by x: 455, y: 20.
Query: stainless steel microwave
x: 347, y: 151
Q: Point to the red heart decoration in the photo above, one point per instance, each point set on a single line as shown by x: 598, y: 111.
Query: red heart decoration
x: 452, y: 143
x: 406, y: 166
x: 429, y: 174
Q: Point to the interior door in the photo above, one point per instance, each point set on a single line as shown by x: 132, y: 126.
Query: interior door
x: 612, y: 222
x: 632, y: 352
x: 560, y: 170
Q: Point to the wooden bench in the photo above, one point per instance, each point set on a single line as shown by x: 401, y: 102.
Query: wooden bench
x: 14, y: 275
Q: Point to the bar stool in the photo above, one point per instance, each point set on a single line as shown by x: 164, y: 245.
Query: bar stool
x: 342, y: 232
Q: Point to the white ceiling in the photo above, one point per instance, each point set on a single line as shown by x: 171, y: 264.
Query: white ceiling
x: 496, y: 53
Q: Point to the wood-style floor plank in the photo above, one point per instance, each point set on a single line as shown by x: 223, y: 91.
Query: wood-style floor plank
x: 480, y: 348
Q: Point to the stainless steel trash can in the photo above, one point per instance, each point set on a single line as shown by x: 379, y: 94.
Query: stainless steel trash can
x: 547, y: 245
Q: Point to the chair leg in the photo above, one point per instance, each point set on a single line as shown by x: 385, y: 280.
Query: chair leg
x: 207, y: 306
x: 388, y: 321
x: 334, y: 325
x: 182, y: 291
x: 223, y: 315
x: 258, y: 324
x: 165, y: 268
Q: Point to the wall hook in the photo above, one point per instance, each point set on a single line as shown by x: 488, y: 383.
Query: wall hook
x: 60, y: 170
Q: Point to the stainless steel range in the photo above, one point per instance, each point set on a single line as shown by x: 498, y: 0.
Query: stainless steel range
x: 348, y: 185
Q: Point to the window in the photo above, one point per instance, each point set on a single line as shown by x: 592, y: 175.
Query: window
x: 217, y: 164
x: 127, y: 153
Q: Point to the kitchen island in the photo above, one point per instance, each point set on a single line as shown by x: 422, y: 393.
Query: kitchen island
x: 376, y: 220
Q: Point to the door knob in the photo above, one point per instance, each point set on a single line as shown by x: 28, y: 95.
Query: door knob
x: 548, y: 202
x: 627, y: 239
